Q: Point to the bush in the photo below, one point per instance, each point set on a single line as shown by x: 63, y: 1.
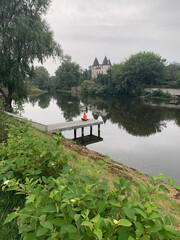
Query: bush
x: 88, y: 88
x: 75, y: 206
x: 4, y: 121
x: 26, y: 155
x: 159, y: 93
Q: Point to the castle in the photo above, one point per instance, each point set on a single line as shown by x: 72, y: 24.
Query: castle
x: 100, y: 68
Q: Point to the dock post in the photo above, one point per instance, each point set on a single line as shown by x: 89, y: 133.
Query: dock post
x: 74, y: 133
x: 91, y: 130
x: 98, y: 130
x: 82, y: 132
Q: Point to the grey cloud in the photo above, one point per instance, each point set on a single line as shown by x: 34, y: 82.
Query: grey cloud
x: 118, y: 28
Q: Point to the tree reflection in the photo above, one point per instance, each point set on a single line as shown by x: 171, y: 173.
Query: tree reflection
x: 43, y: 100
x: 70, y: 105
x: 133, y: 115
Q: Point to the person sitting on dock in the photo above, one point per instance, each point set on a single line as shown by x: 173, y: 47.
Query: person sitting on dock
x: 84, y: 117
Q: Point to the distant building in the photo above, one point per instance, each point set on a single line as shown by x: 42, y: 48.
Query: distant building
x: 100, y: 68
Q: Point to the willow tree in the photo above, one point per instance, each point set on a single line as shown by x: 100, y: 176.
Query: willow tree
x: 24, y: 37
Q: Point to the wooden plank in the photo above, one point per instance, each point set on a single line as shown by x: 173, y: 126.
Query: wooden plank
x: 72, y: 125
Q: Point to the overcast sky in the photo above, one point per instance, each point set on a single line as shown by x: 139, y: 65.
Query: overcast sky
x: 116, y: 28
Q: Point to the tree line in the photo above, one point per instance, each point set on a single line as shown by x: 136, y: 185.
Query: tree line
x: 129, y: 77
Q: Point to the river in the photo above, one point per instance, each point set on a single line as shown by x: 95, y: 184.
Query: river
x: 134, y: 133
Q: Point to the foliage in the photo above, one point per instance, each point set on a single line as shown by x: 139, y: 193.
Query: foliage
x: 41, y: 78
x: 61, y: 203
x: 173, y: 72
x: 159, y: 93
x: 88, y: 88
x: 143, y: 68
x: 129, y: 77
x: 75, y: 206
x: 9, y: 201
x: 4, y: 121
x: 68, y: 74
x: 25, y: 155
x: 24, y: 37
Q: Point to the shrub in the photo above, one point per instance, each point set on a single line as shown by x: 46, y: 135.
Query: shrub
x: 26, y: 155
x: 4, y: 121
x: 161, y: 94
x: 77, y: 207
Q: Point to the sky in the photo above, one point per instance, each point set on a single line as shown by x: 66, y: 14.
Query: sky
x: 86, y: 29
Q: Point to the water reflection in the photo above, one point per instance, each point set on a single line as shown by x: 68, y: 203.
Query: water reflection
x: 141, y: 135
x: 133, y: 115
x: 137, y: 118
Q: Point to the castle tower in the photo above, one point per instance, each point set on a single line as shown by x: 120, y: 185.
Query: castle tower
x: 100, y: 68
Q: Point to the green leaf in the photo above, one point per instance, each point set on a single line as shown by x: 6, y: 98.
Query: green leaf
x: 171, y: 181
x: 131, y: 238
x: 161, y: 176
x: 146, y: 237
x: 10, y: 217
x: 140, y: 211
x: 117, y: 186
x: 76, y: 217
x: 123, y: 233
x: 139, y: 228
x: 154, y: 215
x: 47, y: 224
x: 115, y: 203
x: 171, y: 229
x: 58, y: 222
x: 124, y: 222
x: 68, y: 229
x: 152, y: 180
x: 129, y: 212
x: 177, y: 187
x: 95, y: 219
x: 30, y: 198
x: 49, y: 208
x: 98, y: 233
x: 163, y: 189
x: 173, y: 220
x: 42, y: 231
x: 88, y: 224
x: 154, y: 228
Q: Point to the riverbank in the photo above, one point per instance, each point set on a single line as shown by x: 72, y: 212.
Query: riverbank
x: 91, y: 164
x: 84, y: 158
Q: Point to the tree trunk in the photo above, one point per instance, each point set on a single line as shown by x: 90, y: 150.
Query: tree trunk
x: 7, y: 99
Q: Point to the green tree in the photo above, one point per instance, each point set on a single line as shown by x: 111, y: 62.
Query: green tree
x: 68, y: 74
x: 41, y: 78
x: 143, y: 68
x: 24, y: 37
x: 173, y: 71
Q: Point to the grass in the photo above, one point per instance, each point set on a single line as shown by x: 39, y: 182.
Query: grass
x: 36, y: 91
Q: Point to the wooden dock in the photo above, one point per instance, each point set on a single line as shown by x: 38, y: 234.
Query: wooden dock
x: 73, y: 125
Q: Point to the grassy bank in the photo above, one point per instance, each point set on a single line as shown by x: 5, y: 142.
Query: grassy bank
x: 36, y: 91
x: 92, y: 164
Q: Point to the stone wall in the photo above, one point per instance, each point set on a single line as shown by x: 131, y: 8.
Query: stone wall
x: 173, y: 92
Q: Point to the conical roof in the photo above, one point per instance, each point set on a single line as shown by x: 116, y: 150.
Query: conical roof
x: 96, y: 63
x: 105, y: 61
x: 109, y: 62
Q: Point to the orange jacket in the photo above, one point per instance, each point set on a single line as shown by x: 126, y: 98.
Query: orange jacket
x: 85, y: 117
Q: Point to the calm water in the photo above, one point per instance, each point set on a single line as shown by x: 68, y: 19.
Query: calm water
x: 138, y: 135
